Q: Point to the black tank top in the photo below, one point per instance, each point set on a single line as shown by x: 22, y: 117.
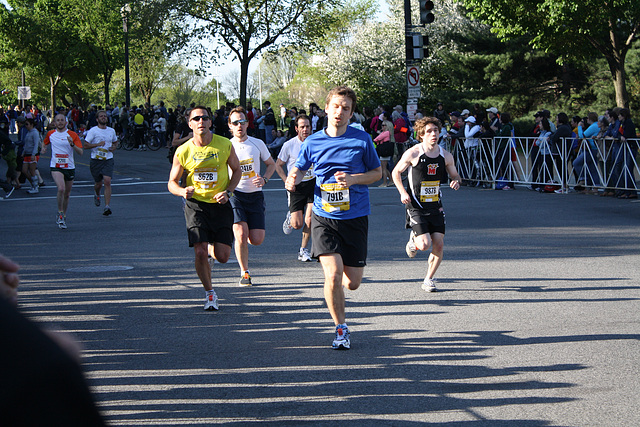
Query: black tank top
x: 423, y: 183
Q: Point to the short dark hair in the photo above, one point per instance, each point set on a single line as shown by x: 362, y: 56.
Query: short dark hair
x: 343, y: 91
x: 198, y: 107
x: 505, y: 117
x: 563, y: 118
x: 302, y: 117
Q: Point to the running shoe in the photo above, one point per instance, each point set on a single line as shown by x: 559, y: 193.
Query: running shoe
x: 41, y: 184
x: 107, y: 211
x: 96, y: 200
x: 343, y: 338
x: 429, y: 285
x: 10, y: 192
x: 411, y: 247
x: 304, y: 255
x: 286, y: 225
x: 211, y: 301
x: 62, y: 224
x: 245, y: 280
x: 34, y: 190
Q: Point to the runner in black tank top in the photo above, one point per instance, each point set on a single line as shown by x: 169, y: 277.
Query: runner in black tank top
x: 429, y: 165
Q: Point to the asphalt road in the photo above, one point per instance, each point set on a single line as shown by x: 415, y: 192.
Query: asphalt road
x: 537, y: 322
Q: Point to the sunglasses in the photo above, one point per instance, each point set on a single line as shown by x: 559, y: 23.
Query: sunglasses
x: 239, y: 122
x: 198, y: 118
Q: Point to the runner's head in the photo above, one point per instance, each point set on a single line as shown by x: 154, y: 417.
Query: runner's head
x: 340, y: 105
x: 199, y: 120
x: 60, y: 122
x: 101, y: 118
x: 238, y: 123
x: 427, y: 126
x: 303, y: 126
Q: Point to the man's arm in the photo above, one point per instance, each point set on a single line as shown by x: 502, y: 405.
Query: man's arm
x: 280, y: 170
x: 236, y: 174
x: 452, y: 171
x: 294, y: 178
x: 369, y: 177
x: 402, y: 166
x: 179, y: 141
x: 174, y: 181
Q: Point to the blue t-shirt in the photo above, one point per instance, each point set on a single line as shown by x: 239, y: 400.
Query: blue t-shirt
x: 352, y: 152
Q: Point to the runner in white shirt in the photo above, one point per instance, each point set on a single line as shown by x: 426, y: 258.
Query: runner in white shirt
x: 302, y: 197
x: 247, y: 199
x: 102, y: 141
x: 64, y: 143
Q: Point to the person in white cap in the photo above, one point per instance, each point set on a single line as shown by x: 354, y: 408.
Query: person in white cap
x: 494, y: 120
x: 471, y: 132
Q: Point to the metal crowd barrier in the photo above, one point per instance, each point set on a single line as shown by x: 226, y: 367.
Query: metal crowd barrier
x: 605, y: 164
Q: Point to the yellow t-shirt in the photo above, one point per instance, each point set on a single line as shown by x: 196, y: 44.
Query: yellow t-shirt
x: 206, y: 167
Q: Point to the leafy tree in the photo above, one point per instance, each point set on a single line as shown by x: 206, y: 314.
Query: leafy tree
x: 44, y: 37
x: 569, y: 28
x: 247, y: 27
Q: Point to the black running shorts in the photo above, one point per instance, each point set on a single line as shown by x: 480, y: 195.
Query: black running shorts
x: 208, y: 222
x: 302, y: 196
x: 423, y: 221
x: 347, y: 237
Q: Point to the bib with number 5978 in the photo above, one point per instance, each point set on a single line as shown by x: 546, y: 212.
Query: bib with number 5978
x: 429, y: 191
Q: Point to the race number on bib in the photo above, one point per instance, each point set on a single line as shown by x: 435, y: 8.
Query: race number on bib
x: 429, y: 191
x: 101, y: 153
x: 334, y: 197
x: 205, y: 178
x: 246, y: 166
x: 62, y: 161
x: 309, y: 175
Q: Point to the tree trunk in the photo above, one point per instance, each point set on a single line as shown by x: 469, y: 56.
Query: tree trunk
x: 620, y: 84
x: 244, y: 76
x: 54, y: 83
x: 107, y: 82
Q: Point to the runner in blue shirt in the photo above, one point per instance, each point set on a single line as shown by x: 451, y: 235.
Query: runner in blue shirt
x: 345, y: 162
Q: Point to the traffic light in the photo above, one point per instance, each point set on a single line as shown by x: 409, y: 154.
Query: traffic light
x: 426, y: 12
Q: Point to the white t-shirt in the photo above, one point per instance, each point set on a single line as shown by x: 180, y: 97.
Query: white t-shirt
x: 250, y: 152
x: 96, y: 135
x: 61, y: 150
x: 289, y: 153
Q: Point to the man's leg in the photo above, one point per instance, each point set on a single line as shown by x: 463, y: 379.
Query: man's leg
x: 202, y: 265
x: 241, y: 233
x: 58, y: 178
x: 337, y: 275
x: 437, y: 240
x: 67, y: 192
x: 306, y: 230
x: 107, y: 189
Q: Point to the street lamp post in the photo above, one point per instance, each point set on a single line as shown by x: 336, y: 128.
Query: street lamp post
x: 125, y: 11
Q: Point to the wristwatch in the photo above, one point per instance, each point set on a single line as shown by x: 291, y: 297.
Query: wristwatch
x: 265, y: 179
x: 229, y: 193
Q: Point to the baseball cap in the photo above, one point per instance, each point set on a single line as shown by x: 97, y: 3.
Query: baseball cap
x: 20, y: 119
x: 493, y: 110
x: 470, y: 119
x: 455, y: 113
x: 465, y: 112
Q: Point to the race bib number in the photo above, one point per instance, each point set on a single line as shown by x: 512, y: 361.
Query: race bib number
x: 429, y: 191
x: 205, y: 178
x: 62, y: 161
x: 334, y: 197
x: 246, y: 166
x: 309, y: 175
x: 101, y: 153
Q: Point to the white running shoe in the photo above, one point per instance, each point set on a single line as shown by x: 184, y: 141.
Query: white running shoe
x: 411, y: 247
x: 286, y: 225
x: 211, y: 301
x: 304, y: 255
x: 60, y: 220
x: 429, y: 285
x: 33, y: 190
x: 343, y: 338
